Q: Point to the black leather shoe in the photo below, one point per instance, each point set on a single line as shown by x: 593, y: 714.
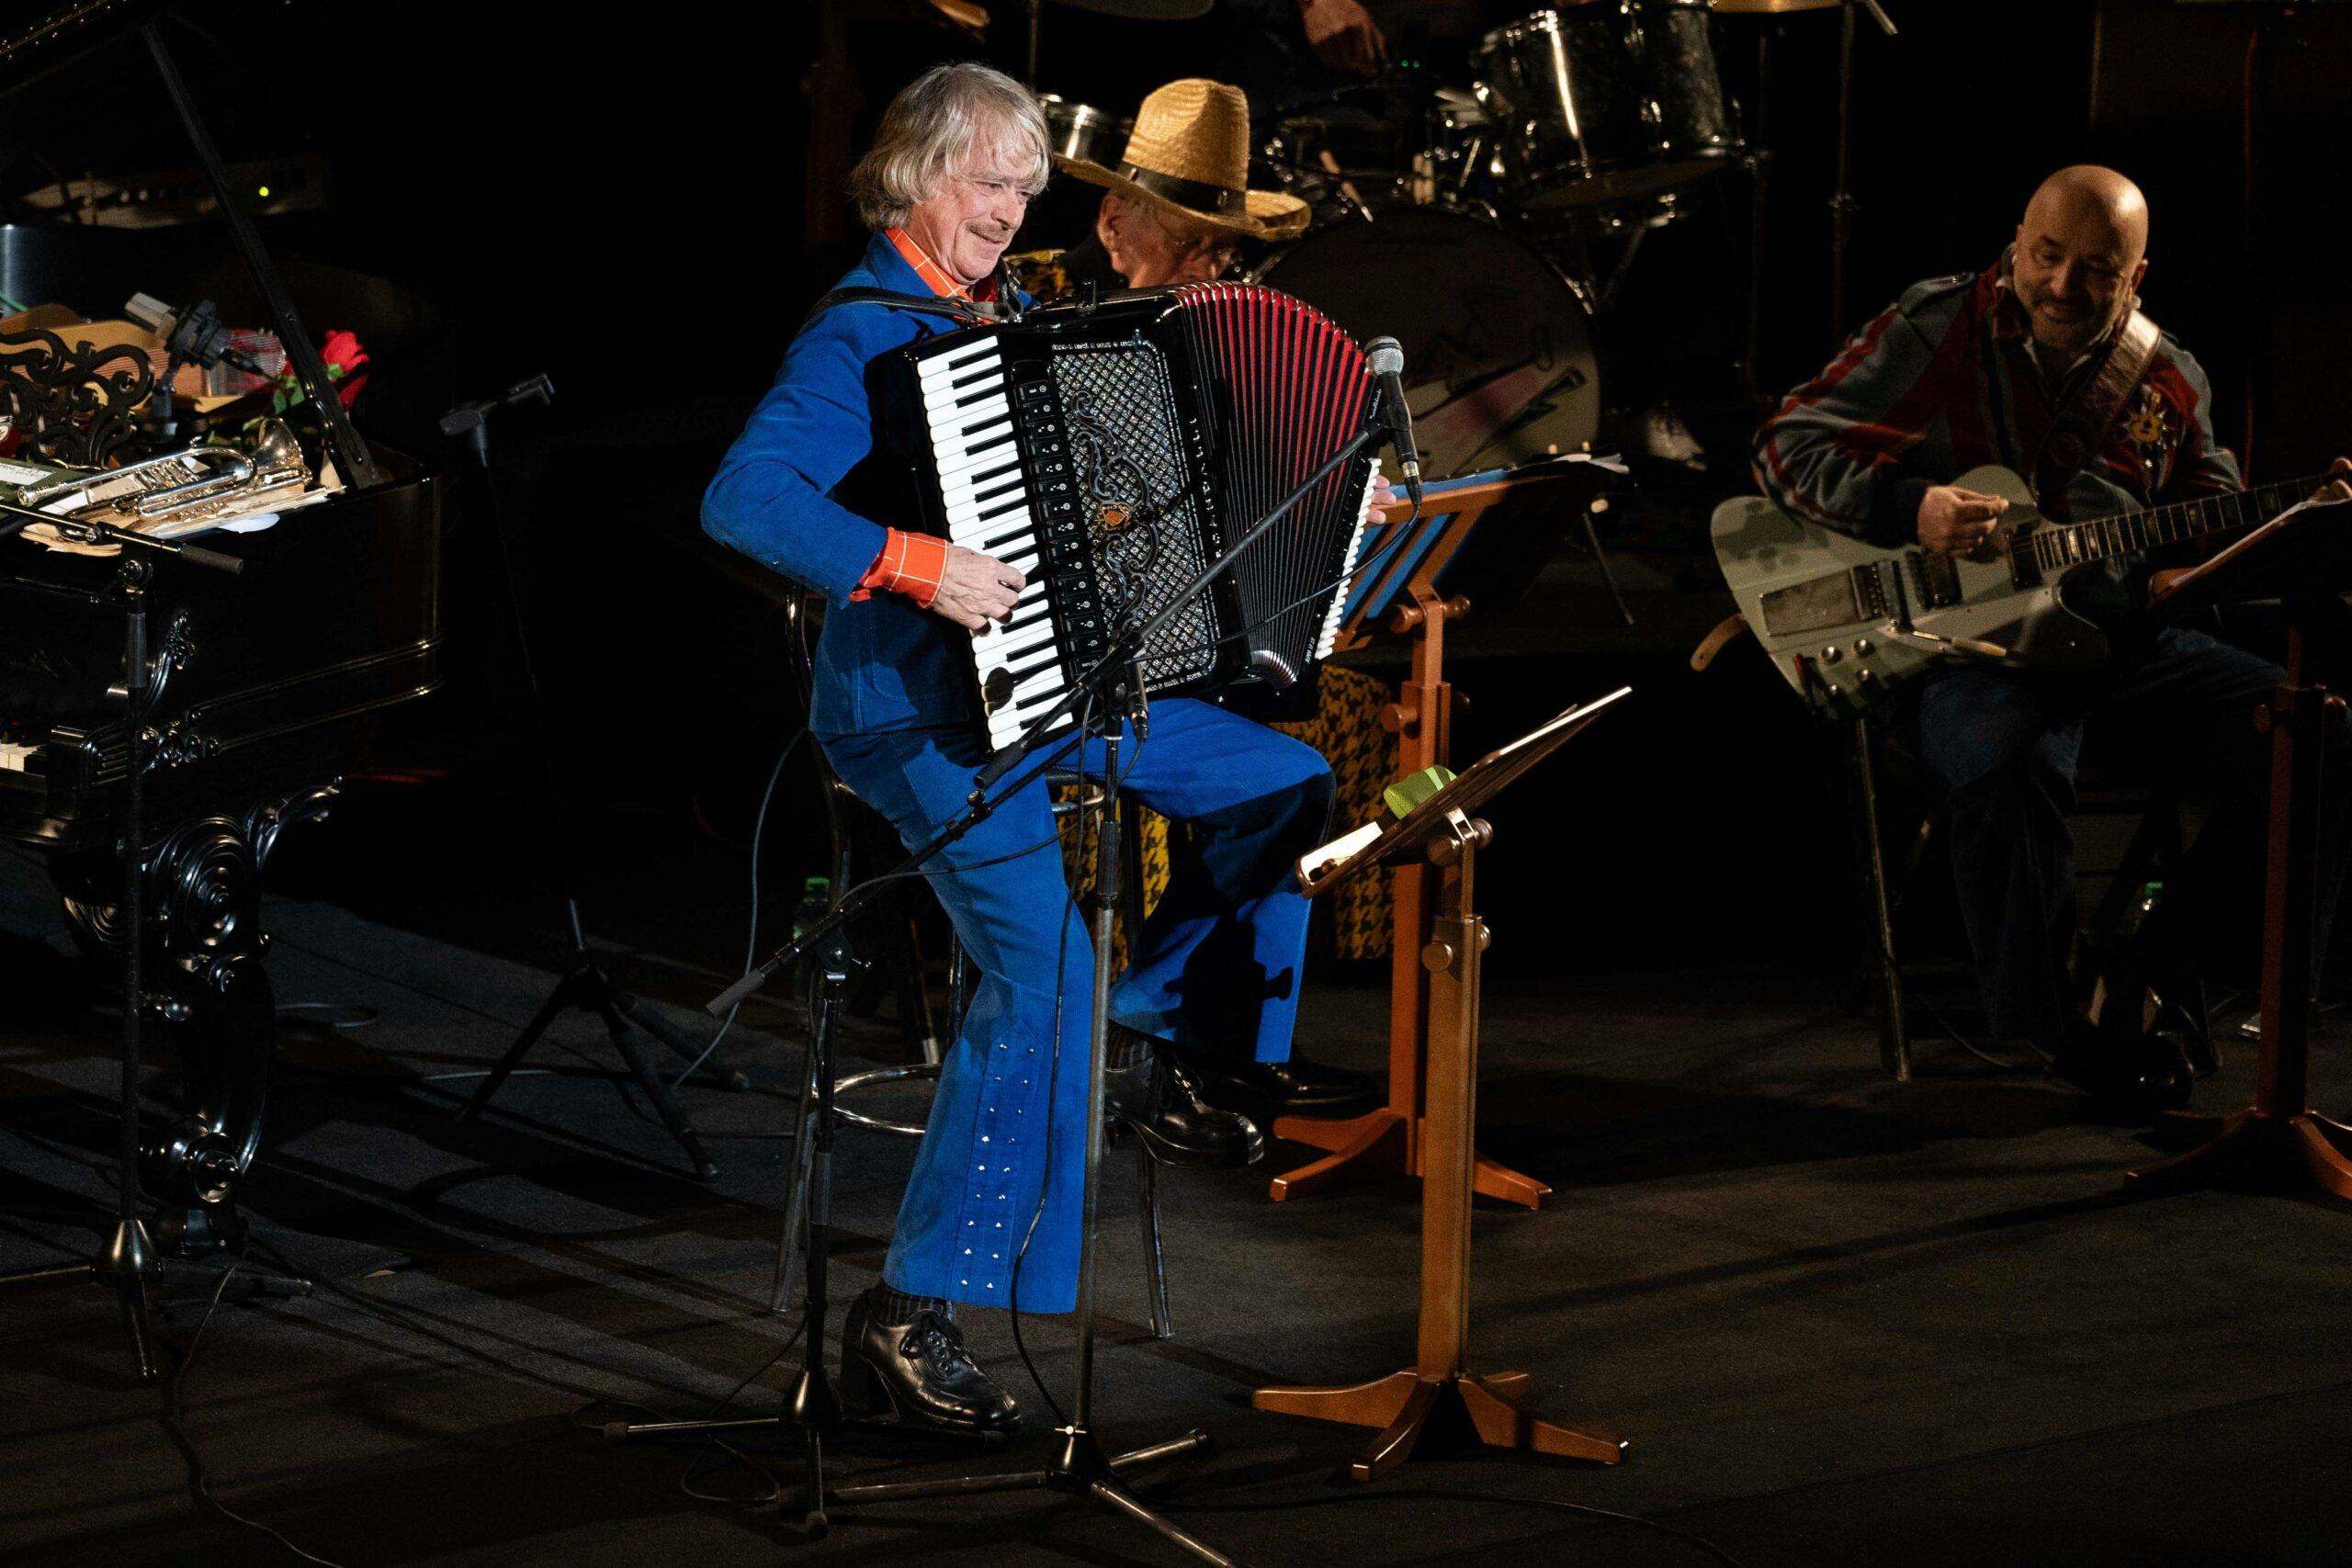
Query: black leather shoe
x: 2150, y: 1076
x: 920, y: 1374
x: 1160, y: 1098
x: 1298, y: 1085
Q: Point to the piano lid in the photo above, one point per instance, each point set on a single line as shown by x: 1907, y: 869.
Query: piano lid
x: 58, y: 37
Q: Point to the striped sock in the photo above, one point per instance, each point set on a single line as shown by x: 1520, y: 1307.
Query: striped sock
x: 895, y: 1306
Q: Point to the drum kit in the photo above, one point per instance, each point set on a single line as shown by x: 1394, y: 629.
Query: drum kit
x: 1473, y: 223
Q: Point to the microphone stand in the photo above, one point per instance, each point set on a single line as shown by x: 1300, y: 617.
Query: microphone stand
x: 583, y: 985
x: 128, y: 1260
x: 1081, y: 1466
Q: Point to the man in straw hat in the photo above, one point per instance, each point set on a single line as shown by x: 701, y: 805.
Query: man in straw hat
x: 1177, y: 210
x: 1168, y: 216
x: 991, y: 1214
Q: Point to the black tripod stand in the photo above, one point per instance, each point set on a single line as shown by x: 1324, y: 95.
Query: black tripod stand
x: 584, y: 985
x: 811, y: 1410
x: 128, y: 1261
x: 1112, y: 693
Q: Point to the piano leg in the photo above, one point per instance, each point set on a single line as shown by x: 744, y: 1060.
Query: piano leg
x: 198, y: 936
x: 204, y: 949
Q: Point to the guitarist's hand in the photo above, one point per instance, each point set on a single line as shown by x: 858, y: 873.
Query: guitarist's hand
x: 1953, y: 520
x: 2340, y: 487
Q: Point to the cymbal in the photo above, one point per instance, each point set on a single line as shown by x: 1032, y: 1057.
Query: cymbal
x: 1144, y: 10
x: 1771, y: 8
x: 972, y: 18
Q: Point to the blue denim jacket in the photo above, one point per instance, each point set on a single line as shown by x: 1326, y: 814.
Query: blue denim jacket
x: 805, y: 492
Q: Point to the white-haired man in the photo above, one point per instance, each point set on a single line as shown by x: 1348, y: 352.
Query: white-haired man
x: 808, y: 490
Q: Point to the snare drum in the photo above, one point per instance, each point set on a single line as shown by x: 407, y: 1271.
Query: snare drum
x: 1500, y: 366
x: 1607, y: 101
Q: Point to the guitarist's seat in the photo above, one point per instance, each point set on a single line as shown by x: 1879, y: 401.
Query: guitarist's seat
x: 2126, y: 832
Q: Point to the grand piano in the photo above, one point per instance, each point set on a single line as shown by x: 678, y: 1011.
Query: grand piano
x: 264, y: 688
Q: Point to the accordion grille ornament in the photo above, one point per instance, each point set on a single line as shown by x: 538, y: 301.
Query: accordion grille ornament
x: 1111, y: 452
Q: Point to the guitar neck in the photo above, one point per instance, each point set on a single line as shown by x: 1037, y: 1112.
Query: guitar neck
x: 2134, y: 532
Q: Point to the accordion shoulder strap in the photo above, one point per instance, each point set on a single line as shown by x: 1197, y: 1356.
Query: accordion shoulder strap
x: 970, y: 312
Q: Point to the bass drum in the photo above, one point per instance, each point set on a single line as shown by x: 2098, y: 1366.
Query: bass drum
x: 1500, y: 368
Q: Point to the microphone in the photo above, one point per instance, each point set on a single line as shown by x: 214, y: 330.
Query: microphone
x: 470, y: 416
x: 1386, y: 358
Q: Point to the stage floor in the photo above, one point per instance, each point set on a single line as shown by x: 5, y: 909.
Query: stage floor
x: 1841, y: 1320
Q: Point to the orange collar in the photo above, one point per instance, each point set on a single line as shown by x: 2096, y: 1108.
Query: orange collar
x: 934, y: 276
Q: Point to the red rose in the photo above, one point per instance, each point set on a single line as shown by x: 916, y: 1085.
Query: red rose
x: 342, y: 352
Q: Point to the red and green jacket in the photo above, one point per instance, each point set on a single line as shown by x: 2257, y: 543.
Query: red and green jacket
x: 1944, y: 382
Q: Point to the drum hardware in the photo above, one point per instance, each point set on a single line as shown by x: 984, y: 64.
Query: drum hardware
x: 1757, y: 165
x: 1081, y: 131
x: 1498, y: 335
x: 1841, y: 202
x: 1131, y: 10
x: 1606, y: 101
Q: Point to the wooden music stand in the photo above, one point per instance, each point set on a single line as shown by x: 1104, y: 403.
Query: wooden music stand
x: 2278, y: 1142
x: 1438, y: 1404
x: 1409, y: 591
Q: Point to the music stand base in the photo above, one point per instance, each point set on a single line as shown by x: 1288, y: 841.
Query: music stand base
x: 1432, y: 1418
x: 2252, y: 1150
x: 1080, y: 1468
x: 1374, y: 1147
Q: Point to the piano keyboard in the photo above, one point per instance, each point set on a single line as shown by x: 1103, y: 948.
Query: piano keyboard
x: 15, y: 759
x: 1021, y: 507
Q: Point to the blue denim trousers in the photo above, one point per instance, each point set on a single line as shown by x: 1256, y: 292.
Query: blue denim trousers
x: 1217, y: 968
x: 2005, y: 743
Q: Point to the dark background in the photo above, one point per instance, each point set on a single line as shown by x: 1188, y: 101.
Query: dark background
x: 626, y: 203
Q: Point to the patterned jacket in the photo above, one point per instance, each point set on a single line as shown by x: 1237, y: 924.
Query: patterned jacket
x: 1944, y: 382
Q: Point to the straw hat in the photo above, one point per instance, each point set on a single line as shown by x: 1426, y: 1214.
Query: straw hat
x: 1190, y: 153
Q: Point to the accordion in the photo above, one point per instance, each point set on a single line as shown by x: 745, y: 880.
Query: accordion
x: 1110, y: 452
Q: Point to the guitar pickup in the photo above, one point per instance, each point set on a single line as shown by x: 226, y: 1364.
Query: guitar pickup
x: 1841, y: 599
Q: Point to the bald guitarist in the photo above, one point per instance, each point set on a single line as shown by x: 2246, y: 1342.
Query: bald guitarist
x: 2043, y: 364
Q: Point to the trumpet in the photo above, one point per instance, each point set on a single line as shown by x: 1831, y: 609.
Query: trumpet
x: 200, y: 482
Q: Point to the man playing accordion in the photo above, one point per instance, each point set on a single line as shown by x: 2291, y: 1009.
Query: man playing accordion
x: 808, y: 490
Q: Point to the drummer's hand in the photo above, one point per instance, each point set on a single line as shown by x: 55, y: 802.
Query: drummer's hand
x: 2340, y: 487
x: 976, y: 588
x: 1953, y: 520
x: 1344, y: 36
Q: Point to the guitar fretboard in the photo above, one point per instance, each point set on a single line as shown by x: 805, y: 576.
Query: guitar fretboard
x: 2055, y: 548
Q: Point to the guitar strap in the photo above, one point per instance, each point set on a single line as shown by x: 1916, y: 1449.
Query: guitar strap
x: 2082, y: 426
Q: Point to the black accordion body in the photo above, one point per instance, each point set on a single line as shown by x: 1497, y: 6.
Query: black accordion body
x: 1111, y: 451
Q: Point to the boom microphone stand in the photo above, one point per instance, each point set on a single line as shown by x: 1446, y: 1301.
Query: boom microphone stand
x: 129, y: 1261
x: 1081, y: 1466
x: 584, y: 984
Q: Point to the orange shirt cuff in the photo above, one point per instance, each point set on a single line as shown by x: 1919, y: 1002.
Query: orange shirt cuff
x: 911, y: 564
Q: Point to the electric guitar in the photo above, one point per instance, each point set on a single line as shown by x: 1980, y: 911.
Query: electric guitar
x: 1847, y: 622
